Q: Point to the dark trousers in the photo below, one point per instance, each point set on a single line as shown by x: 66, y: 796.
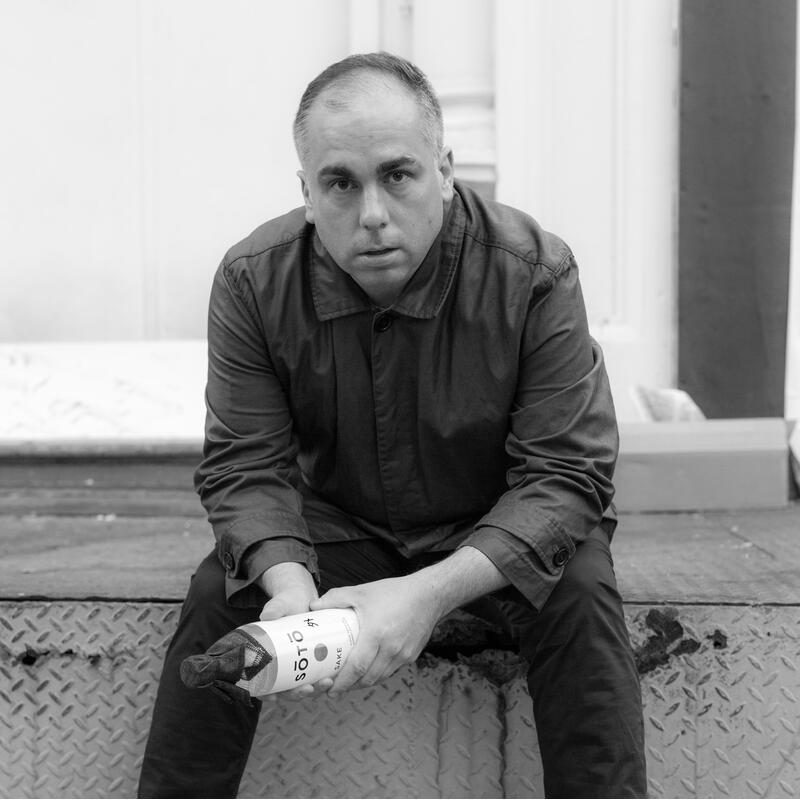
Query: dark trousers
x: 582, y: 679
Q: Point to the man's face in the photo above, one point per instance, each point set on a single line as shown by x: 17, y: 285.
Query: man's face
x: 373, y: 185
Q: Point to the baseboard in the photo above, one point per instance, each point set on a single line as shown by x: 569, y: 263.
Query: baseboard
x: 705, y: 465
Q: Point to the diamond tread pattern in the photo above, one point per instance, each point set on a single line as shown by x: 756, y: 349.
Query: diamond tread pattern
x: 77, y: 682
x: 723, y: 721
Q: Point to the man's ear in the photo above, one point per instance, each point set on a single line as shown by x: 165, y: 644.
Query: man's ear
x: 446, y: 169
x: 306, y: 196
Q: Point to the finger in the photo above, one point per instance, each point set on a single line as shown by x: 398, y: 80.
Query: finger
x: 311, y: 689
x: 335, y: 598
x: 280, y: 607
x: 384, y: 665
x: 272, y: 610
x: 395, y: 658
x: 300, y: 692
x: 304, y: 691
x: 395, y: 665
x: 358, y: 663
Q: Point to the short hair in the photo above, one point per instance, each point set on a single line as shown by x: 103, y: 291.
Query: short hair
x: 409, y: 76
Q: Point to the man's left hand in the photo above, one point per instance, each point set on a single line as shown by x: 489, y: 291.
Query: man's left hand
x: 396, y: 618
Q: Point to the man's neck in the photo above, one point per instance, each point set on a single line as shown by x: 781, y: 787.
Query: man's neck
x: 386, y: 296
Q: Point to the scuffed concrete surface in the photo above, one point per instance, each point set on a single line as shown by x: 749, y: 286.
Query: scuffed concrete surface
x: 102, y: 390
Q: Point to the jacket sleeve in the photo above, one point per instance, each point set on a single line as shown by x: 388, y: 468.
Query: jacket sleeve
x: 248, y: 479
x: 562, y: 443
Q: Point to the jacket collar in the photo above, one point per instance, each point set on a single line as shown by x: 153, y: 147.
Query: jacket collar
x: 336, y: 294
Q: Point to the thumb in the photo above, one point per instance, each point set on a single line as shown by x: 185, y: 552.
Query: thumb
x: 335, y: 598
x: 279, y: 607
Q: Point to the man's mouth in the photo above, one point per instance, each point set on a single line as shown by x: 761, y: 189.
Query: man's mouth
x: 377, y: 251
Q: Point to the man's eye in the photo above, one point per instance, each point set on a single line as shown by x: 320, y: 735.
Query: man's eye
x: 341, y: 185
x: 398, y: 176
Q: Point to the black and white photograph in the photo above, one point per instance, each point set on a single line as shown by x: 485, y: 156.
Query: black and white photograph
x: 399, y: 399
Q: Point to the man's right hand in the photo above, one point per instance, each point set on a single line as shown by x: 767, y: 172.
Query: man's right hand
x: 290, y: 588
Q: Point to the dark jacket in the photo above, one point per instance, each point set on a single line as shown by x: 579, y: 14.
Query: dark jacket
x: 476, y: 410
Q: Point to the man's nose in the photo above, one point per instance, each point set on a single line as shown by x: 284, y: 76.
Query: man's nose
x: 373, y: 208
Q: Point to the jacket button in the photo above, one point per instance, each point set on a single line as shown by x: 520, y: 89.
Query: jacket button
x: 561, y: 557
x: 383, y: 323
x: 227, y: 561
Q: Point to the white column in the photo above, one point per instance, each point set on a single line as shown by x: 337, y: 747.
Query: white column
x: 397, y: 27
x: 364, y: 18
x: 587, y: 137
x: 381, y: 25
x: 453, y: 44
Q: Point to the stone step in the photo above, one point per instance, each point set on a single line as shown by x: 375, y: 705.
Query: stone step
x: 120, y: 400
x: 144, y: 543
x: 91, y: 580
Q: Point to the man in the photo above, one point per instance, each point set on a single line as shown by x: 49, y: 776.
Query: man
x: 406, y: 414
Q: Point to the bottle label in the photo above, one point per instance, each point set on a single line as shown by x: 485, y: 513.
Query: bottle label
x: 307, y: 647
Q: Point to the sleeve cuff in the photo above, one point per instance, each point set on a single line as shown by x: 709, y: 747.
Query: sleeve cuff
x: 243, y: 591
x: 236, y: 539
x: 529, y: 528
x: 520, y: 565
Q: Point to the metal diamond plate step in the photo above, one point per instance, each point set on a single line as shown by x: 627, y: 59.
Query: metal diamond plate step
x: 720, y: 686
x: 723, y: 721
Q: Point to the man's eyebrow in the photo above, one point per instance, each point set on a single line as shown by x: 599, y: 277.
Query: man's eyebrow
x: 341, y: 171
x: 335, y: 171
x: 397, y: 163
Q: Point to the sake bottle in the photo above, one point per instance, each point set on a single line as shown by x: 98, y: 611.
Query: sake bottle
x: 271, y: 656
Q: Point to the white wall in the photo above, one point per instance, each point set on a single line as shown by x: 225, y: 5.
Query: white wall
x: 143, y: 137
x: 140, y: 140
x: 587, y: 142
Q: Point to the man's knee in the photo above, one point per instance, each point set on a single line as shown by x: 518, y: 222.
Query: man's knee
x: 206, y: 615
x: 583, y: 609
x: 208, y: 580
x: 206, y: 592
x: 588, y: 585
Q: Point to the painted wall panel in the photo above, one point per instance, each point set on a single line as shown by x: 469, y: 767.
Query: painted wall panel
x: 148, y: 137
x: 71, y: 213
x: 142, y: 140
x: 587, y: 144
x: 464, y: 79
x: 221, y: 88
